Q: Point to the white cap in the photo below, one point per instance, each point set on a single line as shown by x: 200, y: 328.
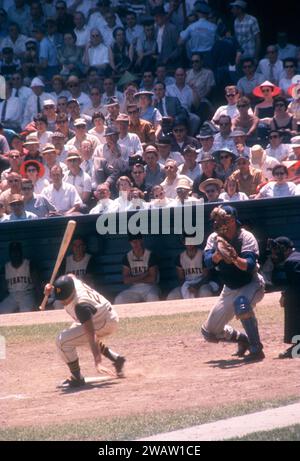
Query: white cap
x: 295, y: 141
x: 48, y: 102
x: 36, y: 82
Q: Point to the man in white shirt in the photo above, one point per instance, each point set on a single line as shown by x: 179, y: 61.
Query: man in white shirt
x: 170, y: 183
x: 109, y: 27
x: 110, y: 91
x: 232, y: 96
x: 130, y: 141
x: 104, y: 203
x: 187, y: 96
x: 271, y: 67
x: 82, y: 31
x: 11, y: 110
x: 15, y: 40
x: 96, y: 52
x: 133, y: 30
x: 63, y: 196
x: 19, y: 90
x: 163, y: 146
x: 77, y: 177
x: 276, y: 148
x: 34, y: 104
x: 81, y: 135
x: 73, y: 85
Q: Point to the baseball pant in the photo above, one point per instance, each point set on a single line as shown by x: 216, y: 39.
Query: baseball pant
x: 19, y: 301
x: 203, y: 292
x: 138, y: 294
x: 223, y: 311
x: 75, y: 336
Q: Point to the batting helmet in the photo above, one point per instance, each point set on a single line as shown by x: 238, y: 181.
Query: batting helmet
x: 63, y: 287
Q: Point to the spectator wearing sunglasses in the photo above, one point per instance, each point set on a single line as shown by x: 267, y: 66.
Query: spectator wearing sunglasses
x: 277, y: 148
x: 232, y: 96
x: 290, y: 70
x: 245, y: 121
x: 279, y: 186
x: 250, y: 80
x: 283, y: 121
x: 248, y: 177
x: 223, y: 139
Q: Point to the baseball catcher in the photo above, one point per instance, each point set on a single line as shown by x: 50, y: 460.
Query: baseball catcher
x: 233, y: 251
x: 284, y: 254
x: 94, y: 318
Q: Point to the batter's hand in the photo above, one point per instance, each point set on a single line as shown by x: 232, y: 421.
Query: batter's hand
x: 48, y: 288
x: 100, y: 368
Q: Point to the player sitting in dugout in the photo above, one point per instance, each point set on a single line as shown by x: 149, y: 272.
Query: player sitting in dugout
x: 140, y: 270
x: 195, y: 280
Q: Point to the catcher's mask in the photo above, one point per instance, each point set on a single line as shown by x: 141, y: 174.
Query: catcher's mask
x: 279, y: 246
x: 221, y: 216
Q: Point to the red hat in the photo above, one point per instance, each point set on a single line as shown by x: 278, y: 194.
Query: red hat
x: 275, y: 89
x: 40, y: 167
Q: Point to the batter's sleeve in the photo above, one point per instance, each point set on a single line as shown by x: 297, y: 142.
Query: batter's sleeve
x: 84, y: 312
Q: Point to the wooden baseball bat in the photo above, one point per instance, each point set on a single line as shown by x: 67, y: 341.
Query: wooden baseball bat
x: 61, y: 254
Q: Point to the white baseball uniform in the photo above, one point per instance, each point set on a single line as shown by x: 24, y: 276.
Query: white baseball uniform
x: 78, y: 268
x: 105, y: 320
x: 193, y: 272
x: 20, y: 287
x: 139, y: 292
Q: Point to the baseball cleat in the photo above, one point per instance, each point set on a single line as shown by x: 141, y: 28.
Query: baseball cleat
x: 254, y: 356
x: 241, y: 350
x: 72, y: 383
x: 287, y: 354
x: 119, y: 364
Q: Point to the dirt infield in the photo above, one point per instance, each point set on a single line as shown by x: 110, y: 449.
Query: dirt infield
x: 164, y: 372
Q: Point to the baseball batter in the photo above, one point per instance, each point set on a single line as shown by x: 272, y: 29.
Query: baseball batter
x: 140, y: 270
x: 18, y: 276
x: 94, y: 318
x: 243, y: 286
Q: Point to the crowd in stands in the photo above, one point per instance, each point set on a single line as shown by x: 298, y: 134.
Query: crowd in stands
x: 111, y: 106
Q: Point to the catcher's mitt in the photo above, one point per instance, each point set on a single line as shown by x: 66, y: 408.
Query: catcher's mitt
x: 226, y: 250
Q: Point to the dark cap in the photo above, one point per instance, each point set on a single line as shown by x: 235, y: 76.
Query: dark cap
x: 205, y: 132
x: 138, y: 236
x: 284, y: 241
x: 158, y: 11
x: 113, y: 101
x: 164, y: 140
x: 63, y: 287
x: 230, y: 210
x: 136, y: 159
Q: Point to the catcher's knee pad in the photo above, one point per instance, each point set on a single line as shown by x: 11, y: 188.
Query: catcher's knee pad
x: 242, y: 308
x: 209, y: 337
x: 244, y: 312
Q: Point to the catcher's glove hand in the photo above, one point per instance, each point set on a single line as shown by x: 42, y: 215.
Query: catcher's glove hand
x: 226, y: 250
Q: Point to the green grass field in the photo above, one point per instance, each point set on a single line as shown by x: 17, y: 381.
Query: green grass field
x: 136, y: 426
x: 290, y: 433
